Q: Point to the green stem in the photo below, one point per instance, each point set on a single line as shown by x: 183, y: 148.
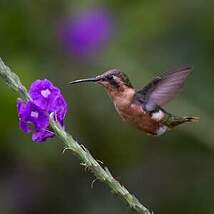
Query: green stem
x: 87, y: 160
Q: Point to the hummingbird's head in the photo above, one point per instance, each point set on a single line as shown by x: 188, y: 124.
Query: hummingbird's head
x: 112, y: 80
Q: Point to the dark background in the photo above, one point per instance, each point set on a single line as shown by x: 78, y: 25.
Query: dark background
x: 169, y: 174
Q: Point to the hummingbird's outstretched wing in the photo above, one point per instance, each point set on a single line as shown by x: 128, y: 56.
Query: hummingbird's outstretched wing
x: 162, y: 89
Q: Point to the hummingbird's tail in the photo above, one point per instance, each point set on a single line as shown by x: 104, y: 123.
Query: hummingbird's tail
x: 172, y: 120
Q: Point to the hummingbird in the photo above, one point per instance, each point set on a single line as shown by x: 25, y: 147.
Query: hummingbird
x: 144, y: 108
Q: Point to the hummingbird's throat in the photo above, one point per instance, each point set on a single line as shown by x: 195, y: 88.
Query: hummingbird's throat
x: 122, y: 98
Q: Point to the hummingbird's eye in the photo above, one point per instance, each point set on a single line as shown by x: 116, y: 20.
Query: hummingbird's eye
x: 109, y: 78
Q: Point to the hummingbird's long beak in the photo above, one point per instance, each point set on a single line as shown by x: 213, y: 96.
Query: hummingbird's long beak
x: 92, y: 79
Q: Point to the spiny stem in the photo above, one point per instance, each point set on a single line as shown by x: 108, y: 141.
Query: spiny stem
x: 101, y: 173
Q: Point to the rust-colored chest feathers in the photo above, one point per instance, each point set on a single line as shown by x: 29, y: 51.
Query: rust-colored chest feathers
x: 132, y: 112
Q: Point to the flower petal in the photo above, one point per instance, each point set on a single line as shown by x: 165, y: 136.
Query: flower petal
x: 42, y: 136
x: 59, y: 107
x: 43, y: 93
x: 31, y: 115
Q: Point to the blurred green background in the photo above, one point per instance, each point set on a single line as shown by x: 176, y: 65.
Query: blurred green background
x: 169, y: 174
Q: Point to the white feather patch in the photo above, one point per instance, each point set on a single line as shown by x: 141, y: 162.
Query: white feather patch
x: 158, y: 115
x: 161, y: 130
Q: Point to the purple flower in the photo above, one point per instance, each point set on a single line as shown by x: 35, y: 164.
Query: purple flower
x: 43, y: 93
x: 59, y: 107
x: 31, y: 116
x: 34, y: 114
x: 85, y: 33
